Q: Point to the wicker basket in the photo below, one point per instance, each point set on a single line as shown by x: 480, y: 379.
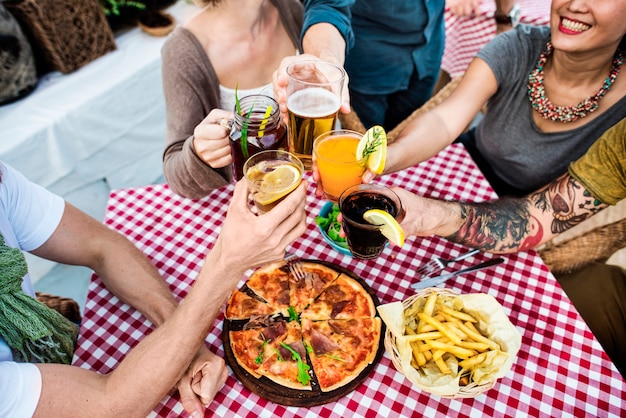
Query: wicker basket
x: 594, y: 246
x: 65, y: 34
x: 469, y: 391
x: 65, y: 306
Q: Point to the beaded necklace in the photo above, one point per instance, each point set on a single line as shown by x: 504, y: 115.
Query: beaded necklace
x: 542, y: 104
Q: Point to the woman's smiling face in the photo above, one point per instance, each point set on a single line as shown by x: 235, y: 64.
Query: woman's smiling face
x: 583, y: 25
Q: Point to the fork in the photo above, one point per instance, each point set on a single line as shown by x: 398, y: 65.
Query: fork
x: 295, y: 266
x: 437, y: 264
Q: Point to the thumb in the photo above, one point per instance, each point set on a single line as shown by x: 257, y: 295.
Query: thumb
x: 190, y: 401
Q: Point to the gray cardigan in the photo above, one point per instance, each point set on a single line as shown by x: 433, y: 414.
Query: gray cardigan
x: 191, y: 90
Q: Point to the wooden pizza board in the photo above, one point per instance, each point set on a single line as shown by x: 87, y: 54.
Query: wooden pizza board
x: 272, y: 391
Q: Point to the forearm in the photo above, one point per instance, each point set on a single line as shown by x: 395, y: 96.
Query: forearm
x: 325, y: 42
x: 152, y: 368
x: 165, y: 354
x: 187, y: 175
x: 421, y: 139
x: 130, y: 276
x: 512, y: 225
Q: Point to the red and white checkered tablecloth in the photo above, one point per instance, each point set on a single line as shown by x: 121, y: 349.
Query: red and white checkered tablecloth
x: 561, y: 370
x: 466, y: 35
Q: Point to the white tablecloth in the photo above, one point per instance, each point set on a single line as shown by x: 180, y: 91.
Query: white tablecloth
x: 103, y: 121
x: 99, y: 128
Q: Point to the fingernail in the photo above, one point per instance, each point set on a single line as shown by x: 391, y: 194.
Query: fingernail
x: 196, y: 414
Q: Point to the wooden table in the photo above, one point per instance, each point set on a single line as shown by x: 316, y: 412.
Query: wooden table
x: 560, y: 370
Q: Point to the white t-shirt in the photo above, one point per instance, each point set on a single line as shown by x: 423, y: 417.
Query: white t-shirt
x: 29, y: 214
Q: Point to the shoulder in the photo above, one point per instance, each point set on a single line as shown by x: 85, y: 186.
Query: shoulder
x: 32, y: 211
x: 524, y: 39
x: 180, y: 41
x: 14, y: 379
x: 602, y: 168
x: 612, y: 143
x: 184, y: 56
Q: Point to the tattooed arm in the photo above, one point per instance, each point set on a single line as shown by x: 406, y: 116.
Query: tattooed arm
x: 506, y: 225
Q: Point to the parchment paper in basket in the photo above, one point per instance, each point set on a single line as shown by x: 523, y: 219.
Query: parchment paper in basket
x: 493, y: 323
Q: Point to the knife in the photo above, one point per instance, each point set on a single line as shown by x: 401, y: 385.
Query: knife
x: 434, y: 281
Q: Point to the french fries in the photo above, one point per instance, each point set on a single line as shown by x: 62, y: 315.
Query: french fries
x: 436, y: 330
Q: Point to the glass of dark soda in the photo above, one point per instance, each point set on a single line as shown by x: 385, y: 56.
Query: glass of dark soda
x: 364, y: 239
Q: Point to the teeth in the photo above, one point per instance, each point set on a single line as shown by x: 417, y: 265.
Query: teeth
x: 575, y: 26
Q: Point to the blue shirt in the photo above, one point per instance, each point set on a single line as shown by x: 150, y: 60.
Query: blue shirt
x: 385, y: 40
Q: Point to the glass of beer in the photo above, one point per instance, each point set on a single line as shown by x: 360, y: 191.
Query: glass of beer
x: 313, y: 101
x: 364, y: 239
x: 337, y: 163
x: 271, y: 176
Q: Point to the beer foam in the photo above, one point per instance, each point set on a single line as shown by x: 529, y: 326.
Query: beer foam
x: 313, y: 102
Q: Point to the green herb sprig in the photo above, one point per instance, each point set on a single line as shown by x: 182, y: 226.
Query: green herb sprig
x: 293, y: 314
x: 259, y: 358
x: 303, y: 368
x: 373, y: 143
x: 244, y: 128
x: 334, y: 357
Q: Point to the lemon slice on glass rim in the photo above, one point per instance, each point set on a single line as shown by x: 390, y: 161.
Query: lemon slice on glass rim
x: 390, y: 228
x: 282, y: 180
x: 373, y: 147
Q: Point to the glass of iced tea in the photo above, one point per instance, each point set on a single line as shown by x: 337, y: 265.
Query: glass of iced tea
x: 271, y: 176
x: 257, y: 127
x: 337, y: 163
x: 364, y: 239
x: 313, y: 101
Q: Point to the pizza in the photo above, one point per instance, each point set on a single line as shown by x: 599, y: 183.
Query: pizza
x: 315, y: 334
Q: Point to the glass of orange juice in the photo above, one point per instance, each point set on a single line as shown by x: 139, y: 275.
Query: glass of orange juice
x: 337, y: 163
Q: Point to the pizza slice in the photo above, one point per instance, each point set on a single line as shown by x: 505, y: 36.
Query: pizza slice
x: 252, y: 346
x: 243, y: 306
x: 285, y: 363
x: 271, y: 283
x: 303, y: 292
x: 344, y: 298
x: 341, y: 349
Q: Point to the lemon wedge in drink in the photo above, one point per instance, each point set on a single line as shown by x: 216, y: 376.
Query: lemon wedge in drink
x: 280, y: 181
x: 389, y: 226
x: 373, y: 146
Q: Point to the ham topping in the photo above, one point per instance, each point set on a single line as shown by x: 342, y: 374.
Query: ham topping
x: 275, y: 331
x: 338, y: 307
x: 321, y: 344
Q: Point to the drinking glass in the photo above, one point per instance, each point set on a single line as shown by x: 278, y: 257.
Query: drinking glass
x: 257, y: 126
x: 271, y: 176
x: 337, y: 163
x: 364, y: 239
x: 313, y: 101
